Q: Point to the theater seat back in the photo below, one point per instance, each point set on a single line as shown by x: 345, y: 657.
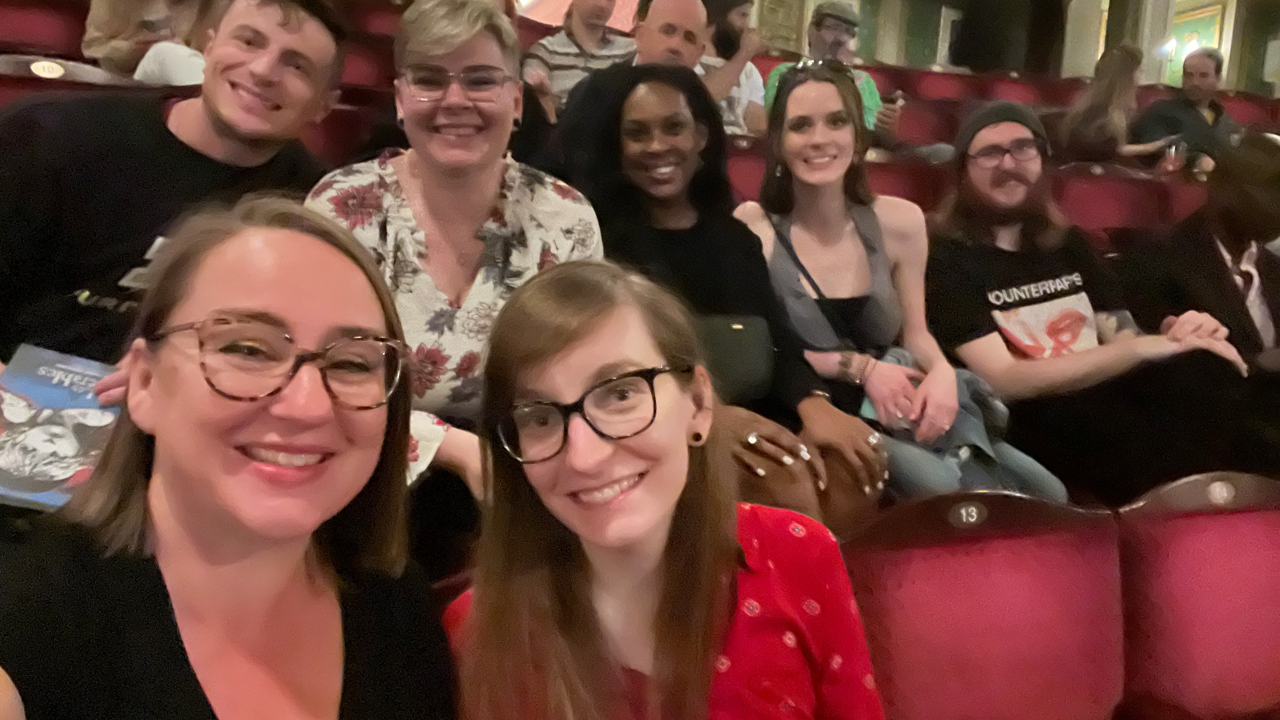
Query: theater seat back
x: 992, y: 606
x: 926, y: 123
x: 1101, y: 199
x: 1201, y: 561
x: 42, y: 27
x: 746, y: 168
x: 1247, y: 110
x: 922, y: 184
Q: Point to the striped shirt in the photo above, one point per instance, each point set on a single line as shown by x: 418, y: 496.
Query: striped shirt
x: 566, y: 62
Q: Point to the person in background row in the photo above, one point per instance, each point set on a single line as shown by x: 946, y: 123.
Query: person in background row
x: 88, y: 185
x: 456, y: 226
x: 530, y: 134
x: 616, y: 576
x: 668, y: 32
x: 1021, y: 299
x: 584, y: 44
x: 833, y: 33
x: 849, y: 268
x: 659, y: 177
x: 240, y: 549
x: 1195, y: 115
x: 118, y: 33
x: 1096, y: 129
x: 180, y: 61
x: 742, y: 110
x: 1215, y: 260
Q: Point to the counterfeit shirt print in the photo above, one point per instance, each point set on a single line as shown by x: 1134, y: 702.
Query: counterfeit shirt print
x: 1046, y: 319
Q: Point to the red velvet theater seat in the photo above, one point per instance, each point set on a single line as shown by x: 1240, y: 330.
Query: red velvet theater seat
x: 1014, y: 89
x: 992, y: 606
x: 531, y: 31
x: 370, y: 62
x: 374, y: 18
x: 1100, y: 199
x: 934, y: 85
x: 342, y: 133
x: 923, y: 184
x: 42, y: 27
x: 746, y: 168
x: 1201, y: 561
x: 926, y: 123
x: 1247, y: 110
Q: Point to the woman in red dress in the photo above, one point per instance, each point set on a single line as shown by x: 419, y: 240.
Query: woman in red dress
x: 617, y: 575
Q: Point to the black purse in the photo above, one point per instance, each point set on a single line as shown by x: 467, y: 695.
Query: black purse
x: 739, y: 354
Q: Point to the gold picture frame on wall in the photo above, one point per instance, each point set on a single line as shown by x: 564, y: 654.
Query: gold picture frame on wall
x: 1202, y: 26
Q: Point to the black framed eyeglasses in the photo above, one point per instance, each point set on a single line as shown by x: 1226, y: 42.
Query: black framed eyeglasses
x: 991, y: 156
x: 245, y: 359
x: 618, y: 408
x: 480, y: 84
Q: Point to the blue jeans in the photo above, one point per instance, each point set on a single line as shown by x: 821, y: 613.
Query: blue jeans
x: 915, y: 472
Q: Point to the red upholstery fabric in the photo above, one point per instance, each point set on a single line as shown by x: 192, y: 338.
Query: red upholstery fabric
x: 925, y: 123
x: 889, y: 79
x: 45, y: 27
x: 997, y: 624
x: 1098, y: 203
x: 930, y: 85
x: 766, y: 63
x: 531, y: 31
x: 1014, y: 90
x: 1248, y: 110
x: 370, y: 62
x: 922, y: 184
x: 375, y: 18
x: 1184, y: 198
x: 1148, y: 94
x: 342, y: 133
x: 746, y: 169
x: 1203, y: 602
x: 1064, y: 93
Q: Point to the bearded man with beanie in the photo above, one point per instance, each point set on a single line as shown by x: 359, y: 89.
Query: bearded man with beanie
x: 1017, y: 295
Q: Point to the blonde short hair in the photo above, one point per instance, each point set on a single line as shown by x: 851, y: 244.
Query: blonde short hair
x: 430, y: 28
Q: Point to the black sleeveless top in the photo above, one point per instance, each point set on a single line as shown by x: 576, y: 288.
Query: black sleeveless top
x: 84, y: 636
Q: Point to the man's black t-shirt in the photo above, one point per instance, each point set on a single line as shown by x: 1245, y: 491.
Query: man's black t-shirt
x: 1041, y: 302
x: 88, y: 185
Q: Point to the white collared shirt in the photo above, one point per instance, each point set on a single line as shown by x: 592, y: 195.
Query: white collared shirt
x: 1250, y: 283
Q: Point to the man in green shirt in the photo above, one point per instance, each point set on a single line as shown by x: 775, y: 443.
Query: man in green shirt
x: 833, y: 34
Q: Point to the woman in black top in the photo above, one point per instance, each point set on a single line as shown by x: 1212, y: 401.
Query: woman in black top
x: 660, y: 188
x: 240, y: 550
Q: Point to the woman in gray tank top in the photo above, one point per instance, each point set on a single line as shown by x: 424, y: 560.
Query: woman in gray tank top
x: 849, y: 268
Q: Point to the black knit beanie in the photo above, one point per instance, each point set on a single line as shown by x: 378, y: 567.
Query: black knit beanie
x: 993, y: 113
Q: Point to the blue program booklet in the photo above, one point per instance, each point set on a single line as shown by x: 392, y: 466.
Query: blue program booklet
x: 52, y: 429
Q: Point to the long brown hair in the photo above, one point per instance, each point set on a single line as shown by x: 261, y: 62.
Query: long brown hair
x: 369, y: 534
x: 778, y: 195
x: 532, y: 646
x: 1110, y: 98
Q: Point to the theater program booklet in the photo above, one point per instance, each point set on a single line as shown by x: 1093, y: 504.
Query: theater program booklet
x: 52, y: 429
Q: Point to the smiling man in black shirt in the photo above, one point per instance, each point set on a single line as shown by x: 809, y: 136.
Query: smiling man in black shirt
x: 88, y: 184
x: 1020, y: 298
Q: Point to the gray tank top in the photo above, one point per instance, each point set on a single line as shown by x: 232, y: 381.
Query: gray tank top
x: 877, y: 326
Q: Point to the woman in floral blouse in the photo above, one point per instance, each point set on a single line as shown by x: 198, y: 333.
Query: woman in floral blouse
x: 454, y: 222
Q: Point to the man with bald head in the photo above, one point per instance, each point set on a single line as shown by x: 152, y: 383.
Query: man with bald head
x: 667, y: 32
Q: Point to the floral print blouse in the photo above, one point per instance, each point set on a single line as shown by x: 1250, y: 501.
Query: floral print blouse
x: 537, y: 222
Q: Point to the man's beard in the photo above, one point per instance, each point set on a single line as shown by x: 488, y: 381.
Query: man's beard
x: 1034, y: 210
x: 726, y: 40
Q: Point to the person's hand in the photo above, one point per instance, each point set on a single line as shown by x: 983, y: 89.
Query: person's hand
x: 887, y: 118
x: 541, y: 85
x: 1205, y: 164
x: 1156, y: 347
x: 111, y: 389
x: 825, y: 363
x: 1193, y: 324
x: 834, y: 435
x: 892, y: 391
x: 752, y: 43
x: 413, y: 449
x: 756, y: 440
x: 936, y: 404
